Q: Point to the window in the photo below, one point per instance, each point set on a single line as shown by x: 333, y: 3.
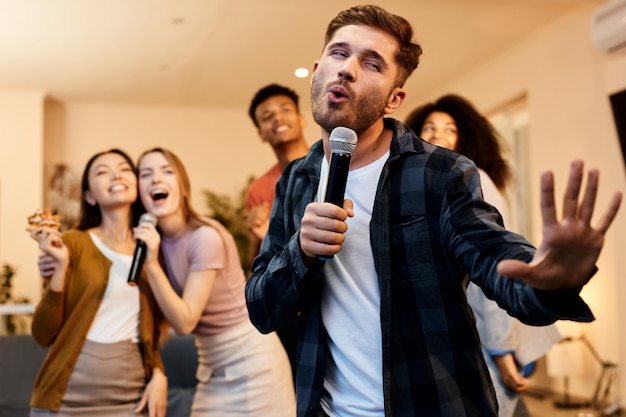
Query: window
x: 512, y: 123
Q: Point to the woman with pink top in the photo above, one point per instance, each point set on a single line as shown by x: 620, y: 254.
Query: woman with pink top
x: 241, y: 372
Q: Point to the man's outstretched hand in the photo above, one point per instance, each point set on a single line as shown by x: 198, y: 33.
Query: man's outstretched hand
x: 570, y: 248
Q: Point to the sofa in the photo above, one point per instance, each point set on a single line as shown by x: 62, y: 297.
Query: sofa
x: 180, y: 359
x: 21, y: 357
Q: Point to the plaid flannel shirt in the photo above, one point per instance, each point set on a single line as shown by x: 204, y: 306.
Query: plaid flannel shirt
x: 430, y: 228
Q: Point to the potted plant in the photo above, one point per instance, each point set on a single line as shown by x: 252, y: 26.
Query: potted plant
x: 6, y: 297
x: 231, y: 213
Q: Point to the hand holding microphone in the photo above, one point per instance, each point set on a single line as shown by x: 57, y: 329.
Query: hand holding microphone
x: 140, y: 251
x: 342, y: 143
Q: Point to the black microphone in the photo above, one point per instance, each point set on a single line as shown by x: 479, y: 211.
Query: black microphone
x: 342, y: 143
x: 140, y: 252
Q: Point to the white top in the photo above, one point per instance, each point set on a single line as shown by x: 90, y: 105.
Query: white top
x: 501, y: 333
x: 493, y: 196
x: 351, y: 307
x: 117, y: 318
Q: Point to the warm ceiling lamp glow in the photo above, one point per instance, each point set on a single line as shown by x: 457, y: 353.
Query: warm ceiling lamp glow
x: 301, y: 72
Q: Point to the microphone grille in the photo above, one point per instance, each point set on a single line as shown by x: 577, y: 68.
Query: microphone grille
x: 342, y: 140
x: 148, y: 218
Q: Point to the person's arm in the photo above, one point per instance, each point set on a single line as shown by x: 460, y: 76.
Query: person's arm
x: 55, y: 259
x: 323, y: 229
x: 509, y: 372
x: 183, y: 313
x: 281, y: 280
x: 151, y: 328
x: 495, y: 326
x: 48, y: 316
x: 155, y: 395
x: 278, y: 284
x: 46, y: 265
x: 497, y: 336
x: 257, y: 223
x: 492, y: 255
x: 254, y: 247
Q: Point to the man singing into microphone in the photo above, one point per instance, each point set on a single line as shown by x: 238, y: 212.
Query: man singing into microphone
x: 385, y: 328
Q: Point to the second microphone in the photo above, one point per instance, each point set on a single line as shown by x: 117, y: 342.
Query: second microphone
x: 140, y: 251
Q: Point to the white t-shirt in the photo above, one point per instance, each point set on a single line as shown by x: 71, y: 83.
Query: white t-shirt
x: 351, y: 307
x: 117, y: 318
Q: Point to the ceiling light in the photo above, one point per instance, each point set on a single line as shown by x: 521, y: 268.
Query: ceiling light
x: 301, y: 72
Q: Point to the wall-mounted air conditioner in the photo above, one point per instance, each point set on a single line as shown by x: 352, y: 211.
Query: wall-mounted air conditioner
x: 608, y: 26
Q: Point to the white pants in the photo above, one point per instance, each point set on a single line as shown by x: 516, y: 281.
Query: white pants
x: 242, y: 372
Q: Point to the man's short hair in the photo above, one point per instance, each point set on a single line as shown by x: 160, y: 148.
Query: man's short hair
x: 396, y: 26
x: 267, y: 92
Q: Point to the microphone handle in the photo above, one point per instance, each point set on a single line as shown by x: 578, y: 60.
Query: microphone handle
x: 137, y: 263
x: 336, y: 186
x: 337, y: 178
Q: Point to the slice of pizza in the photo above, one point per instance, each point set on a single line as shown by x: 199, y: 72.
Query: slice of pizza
x: 43, y: 218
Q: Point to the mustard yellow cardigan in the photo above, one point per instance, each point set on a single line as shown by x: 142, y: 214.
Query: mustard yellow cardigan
x: 62, y: 320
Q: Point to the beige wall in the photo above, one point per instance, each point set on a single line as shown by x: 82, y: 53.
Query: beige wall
x: 21, y: 176
x: 565, y: 79
x: 219, y: 146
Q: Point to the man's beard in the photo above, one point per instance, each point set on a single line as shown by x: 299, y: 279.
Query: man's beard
x: 359, y: 114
